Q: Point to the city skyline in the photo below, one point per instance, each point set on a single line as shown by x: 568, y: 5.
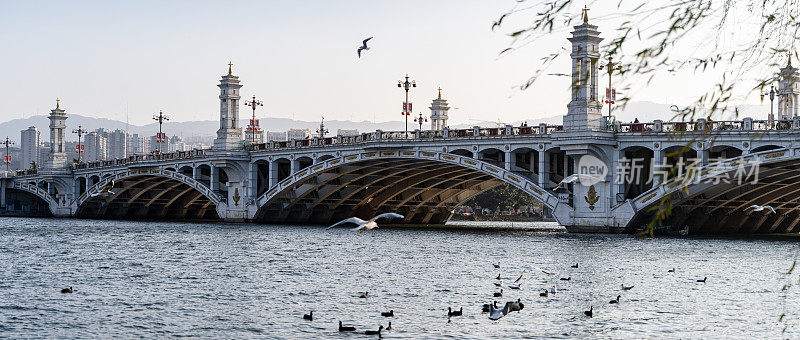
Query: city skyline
x: 104, y: 68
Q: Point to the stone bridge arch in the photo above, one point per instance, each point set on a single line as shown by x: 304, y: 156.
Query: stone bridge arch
x: 149, y: 194
x: 52, y: 205
x: 423, y: 185
x: 709, y: 205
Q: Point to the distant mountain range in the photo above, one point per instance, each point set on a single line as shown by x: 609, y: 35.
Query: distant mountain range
x: 644, y: 111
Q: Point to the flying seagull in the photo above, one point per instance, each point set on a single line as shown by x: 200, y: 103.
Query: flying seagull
x: 499, y: 22
x: 104, y: 191
x: 756, y: 208
x: 567, y: 180
x: 366, y: 225
x: 363, y: 47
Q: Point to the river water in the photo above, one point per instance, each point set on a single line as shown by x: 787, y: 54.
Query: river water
x: 218, y: 280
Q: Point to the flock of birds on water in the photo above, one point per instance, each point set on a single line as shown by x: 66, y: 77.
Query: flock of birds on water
x: 495, y: 312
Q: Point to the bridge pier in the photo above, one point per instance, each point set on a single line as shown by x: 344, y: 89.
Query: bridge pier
x: 214, y: 182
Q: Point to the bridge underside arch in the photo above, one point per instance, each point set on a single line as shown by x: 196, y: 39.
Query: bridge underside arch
x: 146, y: 196
x: 423, y: 190
x: 720, y: 208
x: 24, y: 203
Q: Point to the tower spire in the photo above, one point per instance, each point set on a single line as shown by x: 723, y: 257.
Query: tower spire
x: 230, y: 68
x: 440, y: 92
x: 585, y: 14
x: 58, y: 100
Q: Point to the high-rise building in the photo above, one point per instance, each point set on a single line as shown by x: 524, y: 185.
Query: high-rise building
x: 156, y: 144
x: 30, y: 143
x: 346, y: 133
x: 293, y: 134
x: 275, y: 136
x: 250, y: 130
x: 117, y: 144
x: 95, y: 147
x: 439, y: 110
x: 136, y: 145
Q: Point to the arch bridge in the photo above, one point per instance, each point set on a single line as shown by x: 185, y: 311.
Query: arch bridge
x: 321, y: 180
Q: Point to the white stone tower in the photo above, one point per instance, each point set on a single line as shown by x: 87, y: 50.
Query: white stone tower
x: 229, y: 135
x: 58, y: 156
x: 439, y: 110
x: 584, y: 108
x: 788, y: 91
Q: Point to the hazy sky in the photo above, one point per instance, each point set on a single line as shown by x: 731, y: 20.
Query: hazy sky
x: 112, y: 58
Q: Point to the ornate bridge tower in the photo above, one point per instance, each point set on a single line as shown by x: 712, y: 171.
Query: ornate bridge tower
x: 439, y: 110
x: 584, y: 108
x: 58, y: 155
x: 229, y: 135
x: 788, y: 92
x: 590, y: 147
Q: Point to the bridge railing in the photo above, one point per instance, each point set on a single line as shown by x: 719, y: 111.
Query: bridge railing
x: 417, y: 135
x: 140, y: 158
x: 702, y: 125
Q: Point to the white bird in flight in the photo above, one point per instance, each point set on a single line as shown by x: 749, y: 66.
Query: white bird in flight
x: 567, y: 180
x: 105, y: 191
x: 365, y: 225
x: 756, y: 208
x: 363, y: 47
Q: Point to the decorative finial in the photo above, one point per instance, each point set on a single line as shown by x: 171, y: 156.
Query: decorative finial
x: 585, y: 14
x: 440, y: 92
x: 230, y: 68
x: 58, y: 103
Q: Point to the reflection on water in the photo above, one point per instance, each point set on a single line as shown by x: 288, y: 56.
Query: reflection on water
x: 137, y: 279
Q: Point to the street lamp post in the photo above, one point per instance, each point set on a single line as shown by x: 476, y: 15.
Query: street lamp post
x: 7, y: 158
x: 79, y: 147
x: 159, y: 138
x: 322, y: 130
x: 420, y: 120
x: 771, y: 94
x: 610, y: 92
x: 253, y: 103
x: 406, y: 105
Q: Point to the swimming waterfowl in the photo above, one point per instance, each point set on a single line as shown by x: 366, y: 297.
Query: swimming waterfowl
x: 553, y: 290
x: 703, y: 280
x: 451, y: 312
x: 488, y: 306
x: 516, y: 306
x: 615, y: 301
x: 498, y: 277
x: 575, y: 265
x: 67, y: 290
x: 496, y: 265
x: 499, y: 283
x: 566, y: 278
x: 514, y: 286
x: 496, y: 314
x: 378, y: 332
x: 389, y: 328
x: 309, y: 316
x: 589, y: 312
x: 671, y: 270
x: 345, y: 328
x: 364, y: 295
x: 388, y: 314
x: 498, y: 294
x: 544, y: 293
x: 626, y: 288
